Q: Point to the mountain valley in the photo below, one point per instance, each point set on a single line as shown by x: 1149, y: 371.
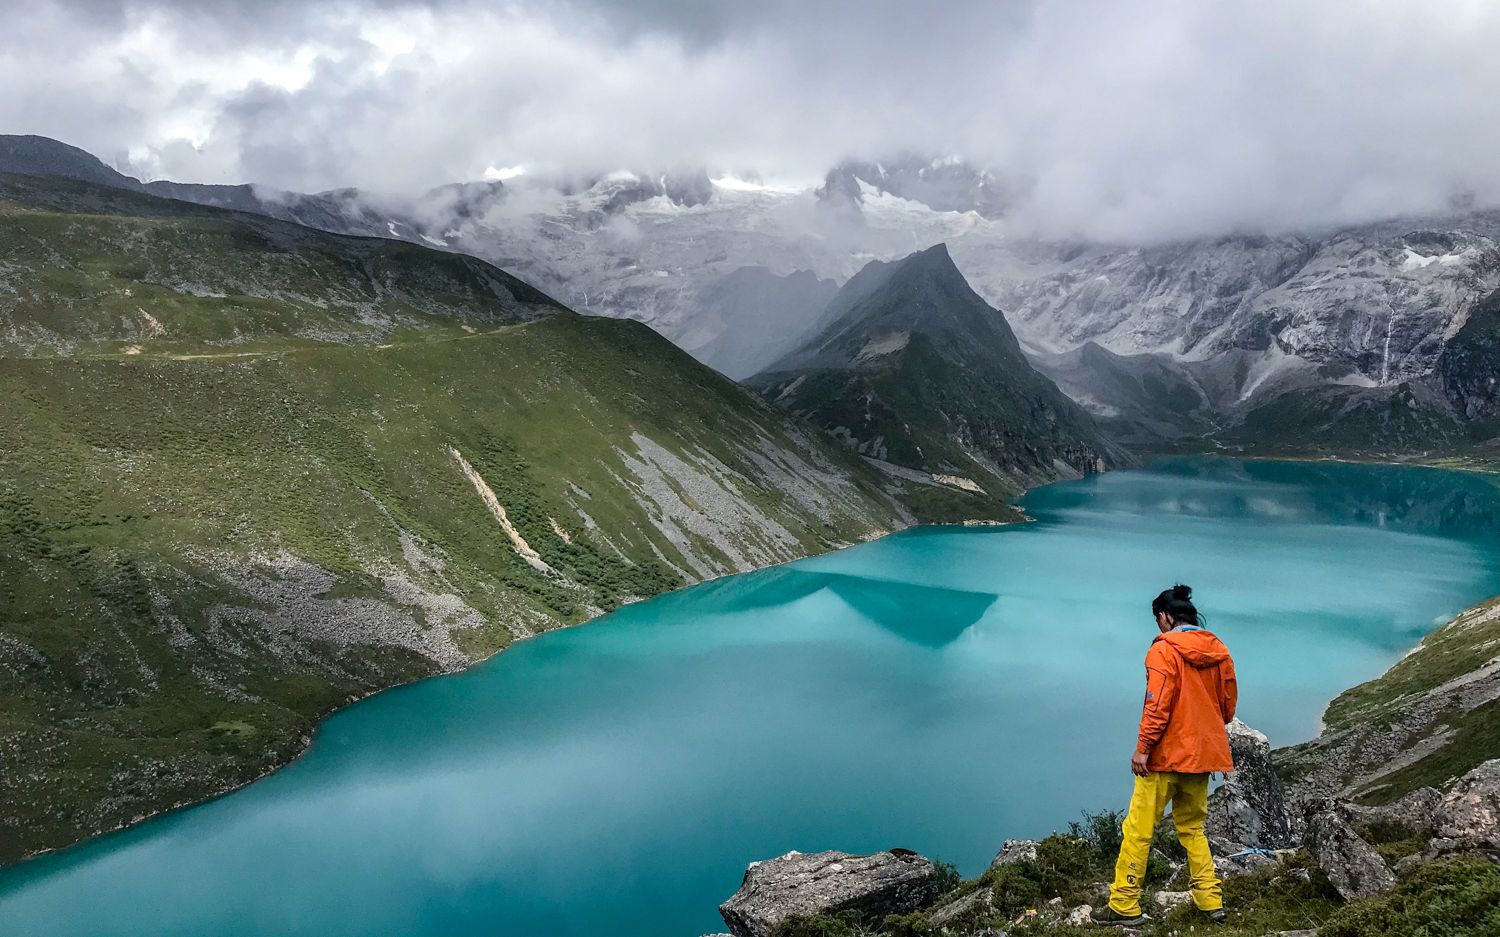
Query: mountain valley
x: 264, y: 453
x: 249, y: 471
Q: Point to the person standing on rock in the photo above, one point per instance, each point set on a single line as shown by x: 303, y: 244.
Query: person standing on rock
x: 1190, y: 696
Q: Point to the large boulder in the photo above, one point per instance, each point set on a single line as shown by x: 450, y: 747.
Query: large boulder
x: 1250, y: 808
x: 801, y: 885
x: 1352, y: 865
x: 1468, y: 817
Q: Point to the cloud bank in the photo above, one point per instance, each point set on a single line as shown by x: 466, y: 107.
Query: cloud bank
x: 1113, y: 121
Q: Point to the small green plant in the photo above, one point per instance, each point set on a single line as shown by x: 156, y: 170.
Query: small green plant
x: 821, y: 925
x: 1102, y: 831
x: 905, y: 925
x: 1015, y: 887
x: 945, y: 878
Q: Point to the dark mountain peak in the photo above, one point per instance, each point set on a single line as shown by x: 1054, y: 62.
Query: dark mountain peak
x: 915, y: 368
x: 29, y: 153
x: 841, y: 185
x: 922, y: 293
x: 463, y: 201
x: 934, y: 261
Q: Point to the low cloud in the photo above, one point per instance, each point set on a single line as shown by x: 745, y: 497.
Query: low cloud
x: 1112, y: 121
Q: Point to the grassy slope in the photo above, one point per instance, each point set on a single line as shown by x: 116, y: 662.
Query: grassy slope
x: 228, y: 504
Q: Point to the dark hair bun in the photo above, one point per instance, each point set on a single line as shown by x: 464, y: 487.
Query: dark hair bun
x: 1180, y: 591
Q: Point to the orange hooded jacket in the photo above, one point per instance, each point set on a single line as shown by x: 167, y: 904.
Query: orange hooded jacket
x: 1190, y: 696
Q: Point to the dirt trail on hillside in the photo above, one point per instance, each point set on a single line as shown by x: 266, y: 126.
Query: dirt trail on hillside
x: 137, y: 351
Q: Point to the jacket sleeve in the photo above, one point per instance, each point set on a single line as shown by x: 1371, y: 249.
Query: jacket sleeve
x: 1229, y: 690
x: 1162, y: 683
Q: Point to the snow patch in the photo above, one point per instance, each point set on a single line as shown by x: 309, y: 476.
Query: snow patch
x: 1416, y: 261
x: 735, y: 184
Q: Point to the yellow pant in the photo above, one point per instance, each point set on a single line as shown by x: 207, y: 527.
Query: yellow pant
x: 1188, y: 795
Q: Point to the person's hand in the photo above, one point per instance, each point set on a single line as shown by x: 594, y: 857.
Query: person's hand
x: 1138, y: 764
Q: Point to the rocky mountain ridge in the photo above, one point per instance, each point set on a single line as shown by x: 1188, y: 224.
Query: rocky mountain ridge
x: 1256, y: 327
x: 1323, y: 340
x: 913, y: 368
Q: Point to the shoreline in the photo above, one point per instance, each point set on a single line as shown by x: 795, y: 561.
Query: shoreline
x: 304, y: 744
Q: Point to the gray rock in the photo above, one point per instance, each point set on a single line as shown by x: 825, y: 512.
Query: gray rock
x: 1015, y: 850
x: 1242, y: 863
x: 1167, y: 900
x: 975, y: 902
x: 1079, y: 916
x: 1352, y: 865
x: 1469, y: 815
x: 1250, y: 808
x: 895, y: 882
x: 1220, y: 846
x: 1416, y: 811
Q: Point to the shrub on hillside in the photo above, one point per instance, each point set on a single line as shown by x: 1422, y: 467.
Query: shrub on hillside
x: 822, y: 925
x: 1450, y: 898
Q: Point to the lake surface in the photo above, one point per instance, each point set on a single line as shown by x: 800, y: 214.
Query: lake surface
x: 942, y: 689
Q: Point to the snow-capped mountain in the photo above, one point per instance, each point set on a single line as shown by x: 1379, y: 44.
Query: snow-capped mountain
x: 1353, y: 317
x: 943, y: 184
x: 1232, y: 339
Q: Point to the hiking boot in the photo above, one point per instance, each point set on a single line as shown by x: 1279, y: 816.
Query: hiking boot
x: 1218, y: 915
x: 1109, y: 916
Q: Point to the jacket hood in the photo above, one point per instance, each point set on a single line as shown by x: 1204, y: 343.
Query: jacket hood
x: 1199, y: 648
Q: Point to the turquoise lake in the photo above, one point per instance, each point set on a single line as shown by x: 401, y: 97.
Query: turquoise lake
x: 941, y: 689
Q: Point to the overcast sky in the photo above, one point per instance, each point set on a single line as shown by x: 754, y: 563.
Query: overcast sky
x: 1120, y: 120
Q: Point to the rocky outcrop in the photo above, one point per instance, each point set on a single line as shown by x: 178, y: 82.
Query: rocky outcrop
x: 1468, y: 817
x: 1015, y: 850
x: 976, y: 903
x: 1467, y: 366
x: 1352, y: 865
x: 1415, y: 812
x: 1250, y: 809
x: 801, y: 885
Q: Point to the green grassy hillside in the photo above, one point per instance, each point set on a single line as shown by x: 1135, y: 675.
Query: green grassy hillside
x: 249, y: 471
